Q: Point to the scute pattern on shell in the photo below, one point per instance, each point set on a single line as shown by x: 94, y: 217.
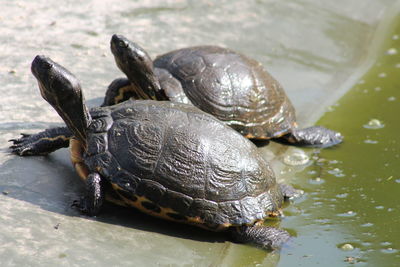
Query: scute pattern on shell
x: 232, y: 87
x: 177, y: 160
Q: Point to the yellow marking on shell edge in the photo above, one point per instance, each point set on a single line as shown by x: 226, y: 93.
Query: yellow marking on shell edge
x: 138, y: 204
x: 276, y: 213
x: 197, y: 221
x: 252, y: 136
x: 76, y: 150
x: 258, y: 222
x: 116, y: 201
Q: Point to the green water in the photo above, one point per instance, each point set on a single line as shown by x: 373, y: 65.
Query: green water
x: 352, y: 191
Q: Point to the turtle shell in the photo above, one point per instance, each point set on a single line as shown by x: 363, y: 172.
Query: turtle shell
x: 233, y: 88
x: 174, y: 161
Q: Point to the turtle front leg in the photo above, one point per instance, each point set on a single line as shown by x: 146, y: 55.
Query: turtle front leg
x: 265, y: 237
x: 93, y: 200
x: 315, y: 136
x: 41, y: 143
x: 120, y: 90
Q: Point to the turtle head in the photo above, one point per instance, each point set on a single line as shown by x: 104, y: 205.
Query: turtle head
x: 137, y: 65
x: 61, y: 89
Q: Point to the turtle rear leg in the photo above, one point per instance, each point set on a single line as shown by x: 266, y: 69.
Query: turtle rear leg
x: 120, y: 90
x: 315, y: 136
x: 261, y: 236
x: 41, y: 143
x: 290, y: 192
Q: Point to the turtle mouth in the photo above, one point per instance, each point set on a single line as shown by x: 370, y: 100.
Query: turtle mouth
x: 41, y: 87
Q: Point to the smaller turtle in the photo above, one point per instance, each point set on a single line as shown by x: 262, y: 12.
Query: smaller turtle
x: 230, y: 86
x: 169, y: 160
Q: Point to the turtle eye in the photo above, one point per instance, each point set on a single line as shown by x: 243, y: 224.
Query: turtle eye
x: 47, y: 65
x: 123, y: 44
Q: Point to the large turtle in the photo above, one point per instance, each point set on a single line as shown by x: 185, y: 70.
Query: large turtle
x: 166, y: 159
x: 232, y: 87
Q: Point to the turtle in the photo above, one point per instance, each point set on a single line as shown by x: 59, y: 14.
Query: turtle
x: 232, y: 87
x: 169, y: 160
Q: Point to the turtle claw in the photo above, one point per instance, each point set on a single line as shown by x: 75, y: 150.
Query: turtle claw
x: 24, y: 146
x: 15, y: 141
x: 74, y: 204
x: 80, y: 204
x: 22, y: 151
x: 84, y: 206
x: 21, y: 139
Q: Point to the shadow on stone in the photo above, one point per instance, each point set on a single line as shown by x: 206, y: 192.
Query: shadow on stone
x: 51, y: 183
